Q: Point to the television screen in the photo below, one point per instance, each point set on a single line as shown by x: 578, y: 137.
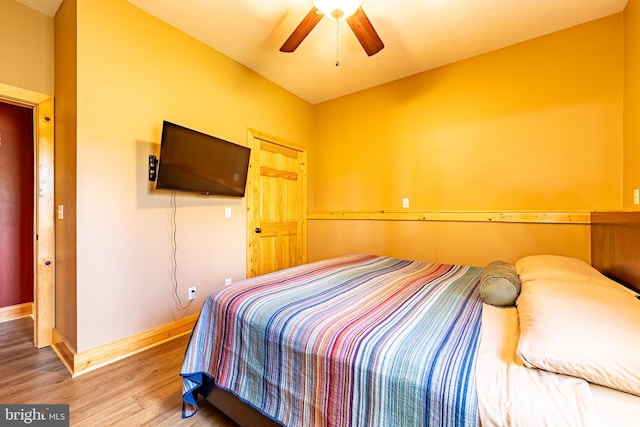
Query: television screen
x: 199, y: 163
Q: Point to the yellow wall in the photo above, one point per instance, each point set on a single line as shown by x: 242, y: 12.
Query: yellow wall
x: 132, y: 72
x: 26, y: 48
x: 468, y: 243
x: 631, y: 102
x: 65, y: 170
x: 535, y: 126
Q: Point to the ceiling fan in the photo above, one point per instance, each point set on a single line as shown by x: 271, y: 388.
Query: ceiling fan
x: 337, y: 10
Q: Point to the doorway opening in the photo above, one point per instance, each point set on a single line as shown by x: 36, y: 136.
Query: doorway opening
x: 43, y: 224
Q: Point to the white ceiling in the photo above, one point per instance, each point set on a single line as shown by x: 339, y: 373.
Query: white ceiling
x: 418, y: 35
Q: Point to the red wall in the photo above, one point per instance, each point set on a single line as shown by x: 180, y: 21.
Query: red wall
x: 16, y: 204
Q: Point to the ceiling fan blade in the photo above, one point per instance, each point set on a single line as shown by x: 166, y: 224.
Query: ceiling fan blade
x: 302, y: 30
x: 364, y: 31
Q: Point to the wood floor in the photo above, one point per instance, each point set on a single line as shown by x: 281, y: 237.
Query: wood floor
x: 142, y: 390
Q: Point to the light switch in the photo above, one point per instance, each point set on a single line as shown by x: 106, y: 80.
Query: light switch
x: 227, y: 212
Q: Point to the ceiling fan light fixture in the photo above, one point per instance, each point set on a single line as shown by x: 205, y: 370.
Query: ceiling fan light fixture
x: 337, y: 10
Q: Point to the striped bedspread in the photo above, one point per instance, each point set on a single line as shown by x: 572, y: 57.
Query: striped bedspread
x: 358, y: 340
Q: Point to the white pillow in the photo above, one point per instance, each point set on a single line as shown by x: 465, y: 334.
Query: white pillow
x: 587, y: 329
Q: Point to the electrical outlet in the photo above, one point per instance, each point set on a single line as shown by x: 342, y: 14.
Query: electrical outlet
x: 636, y: 196
x: 192, y: 293
x: 405, y: 202
x: 227, y: 281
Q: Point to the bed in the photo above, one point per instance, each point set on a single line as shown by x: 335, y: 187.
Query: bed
x: 365, y: 340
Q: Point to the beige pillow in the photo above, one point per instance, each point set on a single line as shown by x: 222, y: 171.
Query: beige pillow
x: 587, y: 329
x: 541, y: 267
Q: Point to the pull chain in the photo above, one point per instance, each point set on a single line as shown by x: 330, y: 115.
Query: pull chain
x: 337, y: 43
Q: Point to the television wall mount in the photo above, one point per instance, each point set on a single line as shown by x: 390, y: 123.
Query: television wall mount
x: 153, y: 167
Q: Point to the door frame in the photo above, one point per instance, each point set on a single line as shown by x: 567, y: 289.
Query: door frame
x: 253, y: 142
x: 44, y: 256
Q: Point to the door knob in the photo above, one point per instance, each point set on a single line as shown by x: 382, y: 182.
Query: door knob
x: 258, y: 230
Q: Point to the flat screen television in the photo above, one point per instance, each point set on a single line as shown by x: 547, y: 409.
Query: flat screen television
x: 195, y: 162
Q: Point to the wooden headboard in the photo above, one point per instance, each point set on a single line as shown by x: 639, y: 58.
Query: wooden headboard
x: 615, y: 246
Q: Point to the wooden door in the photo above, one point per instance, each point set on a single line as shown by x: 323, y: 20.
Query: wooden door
x: 276, y: 205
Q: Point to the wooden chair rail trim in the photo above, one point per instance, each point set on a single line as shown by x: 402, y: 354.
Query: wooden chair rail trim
x: 543, y: 217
